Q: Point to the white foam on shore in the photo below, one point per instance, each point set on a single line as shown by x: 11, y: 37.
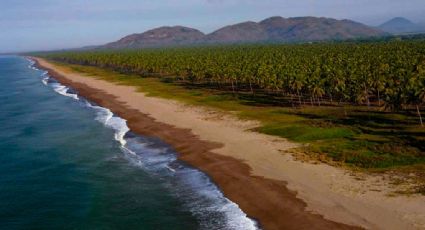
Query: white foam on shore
x: 63, y: 90
x: 31, y: 64
x: 106, y: 117
x: 200, y: 195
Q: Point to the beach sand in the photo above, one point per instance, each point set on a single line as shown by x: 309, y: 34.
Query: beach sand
x: 252, y: 169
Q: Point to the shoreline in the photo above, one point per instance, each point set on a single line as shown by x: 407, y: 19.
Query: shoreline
x: 198, y: 153
x: 249, y: 177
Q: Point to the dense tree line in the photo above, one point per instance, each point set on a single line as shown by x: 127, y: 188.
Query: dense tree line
x: 386, y: 74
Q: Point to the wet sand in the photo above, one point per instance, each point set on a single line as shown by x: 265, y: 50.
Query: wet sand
x: 251, y: 169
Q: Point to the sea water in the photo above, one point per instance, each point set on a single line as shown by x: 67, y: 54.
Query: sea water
x: 67, y: 163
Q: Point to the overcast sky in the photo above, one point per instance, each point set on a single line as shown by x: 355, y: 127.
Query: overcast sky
x: 54, y: 24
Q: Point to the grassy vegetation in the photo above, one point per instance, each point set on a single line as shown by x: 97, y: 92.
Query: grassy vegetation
x: 357, y: 136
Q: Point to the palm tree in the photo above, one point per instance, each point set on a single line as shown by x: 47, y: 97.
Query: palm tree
x: 297, y: 86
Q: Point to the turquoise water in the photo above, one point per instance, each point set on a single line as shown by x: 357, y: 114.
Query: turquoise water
x: 66, y: 163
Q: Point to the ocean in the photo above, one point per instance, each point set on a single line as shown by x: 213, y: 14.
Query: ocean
x: 66, y: 163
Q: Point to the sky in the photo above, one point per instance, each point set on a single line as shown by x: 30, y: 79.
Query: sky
x: 30, y: 25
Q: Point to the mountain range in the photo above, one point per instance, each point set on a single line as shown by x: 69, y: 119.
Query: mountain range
x: 274, y: 29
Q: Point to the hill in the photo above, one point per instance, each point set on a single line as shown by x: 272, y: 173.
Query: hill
x: 162, y: 36
x: 400, y: 25
x: 315, y: 29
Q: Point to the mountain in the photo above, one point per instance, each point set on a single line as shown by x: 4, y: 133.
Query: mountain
x: 274, y: 29
x: 315, y: 29
x: 400, y: 25
x: 162, y: 36
x: 242, y: 32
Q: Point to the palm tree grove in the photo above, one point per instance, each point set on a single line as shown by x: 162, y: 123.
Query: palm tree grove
x: 385, y: 75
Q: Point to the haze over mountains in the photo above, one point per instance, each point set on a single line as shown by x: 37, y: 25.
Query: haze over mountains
x: 274, y: 29
x: 401, y: 25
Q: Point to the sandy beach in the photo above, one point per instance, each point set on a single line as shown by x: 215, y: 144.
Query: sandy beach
x: 255, y: 170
